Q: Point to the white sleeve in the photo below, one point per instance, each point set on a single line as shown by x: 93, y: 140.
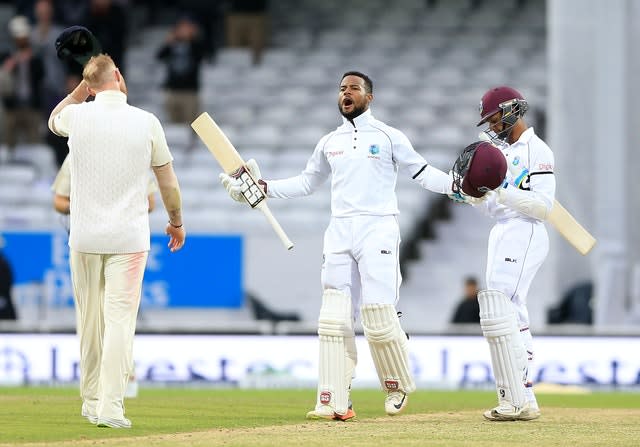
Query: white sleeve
x: 434, y: 180
x: 60, y: 123
x: 313, y: 176
x: 533, y: 191
x: 160, y: 154
x: 62, y: 183
x: 542, y: 181
x: 414, y: 164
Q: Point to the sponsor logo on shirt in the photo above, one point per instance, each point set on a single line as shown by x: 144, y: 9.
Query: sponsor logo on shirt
x: 331, y: 154
x: 545, y: 167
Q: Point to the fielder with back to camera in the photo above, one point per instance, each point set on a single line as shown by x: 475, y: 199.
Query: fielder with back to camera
x: 112, y: 146
x: 518, y: 243
x: 360, y: 271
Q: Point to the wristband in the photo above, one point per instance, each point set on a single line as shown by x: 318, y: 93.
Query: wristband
x: 175, y: 226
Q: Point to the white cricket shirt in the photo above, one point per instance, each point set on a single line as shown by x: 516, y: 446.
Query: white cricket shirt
x: 112, y: 145
x: 62, y: 183
x: 532, y: 154
x: 363, y: 158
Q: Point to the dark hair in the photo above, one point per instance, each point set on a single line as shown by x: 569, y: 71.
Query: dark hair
x: 368, y: 84
x: 471, y: 281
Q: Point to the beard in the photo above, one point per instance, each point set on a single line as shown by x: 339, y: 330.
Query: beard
x: 357, y: 111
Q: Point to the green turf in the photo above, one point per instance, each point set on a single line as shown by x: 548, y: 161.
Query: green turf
x: 53, y: 414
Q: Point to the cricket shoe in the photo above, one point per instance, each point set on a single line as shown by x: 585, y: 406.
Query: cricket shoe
x: 87, y: 414
x: 114, y: 423
x: 507, y: 412
x: 395, y: 402
x: 326, y: 412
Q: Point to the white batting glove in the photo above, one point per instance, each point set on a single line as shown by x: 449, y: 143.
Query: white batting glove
x: 254, y: 170
x: 233, y: 187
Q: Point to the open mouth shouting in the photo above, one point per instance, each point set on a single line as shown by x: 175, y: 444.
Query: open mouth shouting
x: 347, y: 105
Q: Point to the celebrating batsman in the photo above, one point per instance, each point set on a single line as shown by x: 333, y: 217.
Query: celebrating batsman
x: 518, y: 243
x: 360, y: 271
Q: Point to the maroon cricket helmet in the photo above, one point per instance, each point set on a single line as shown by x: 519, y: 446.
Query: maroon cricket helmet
x: 481, y: 167
x: 495, y: 100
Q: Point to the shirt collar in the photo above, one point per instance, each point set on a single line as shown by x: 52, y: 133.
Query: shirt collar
x: 526, y: 136
x: 111, y: 97
x: 359, y: 120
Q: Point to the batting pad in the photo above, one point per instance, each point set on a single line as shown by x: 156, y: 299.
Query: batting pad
x: 337, y: 350
x: 389, y: 347
x: 508, y: 356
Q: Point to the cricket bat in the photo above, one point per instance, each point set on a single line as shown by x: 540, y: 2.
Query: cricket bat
x: 233, y: 164
x: 570, y: 229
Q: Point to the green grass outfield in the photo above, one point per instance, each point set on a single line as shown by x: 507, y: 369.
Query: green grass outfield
x: 230, y: 417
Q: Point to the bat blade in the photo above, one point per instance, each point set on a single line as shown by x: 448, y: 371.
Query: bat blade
x: 570, y: 229
x: 218, y: 144
x: 232, y: 163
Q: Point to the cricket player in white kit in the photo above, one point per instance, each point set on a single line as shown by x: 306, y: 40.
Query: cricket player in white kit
x: 112, y: 145
x: 61, y: 188
x: 360, y: 272
x: 518, y: 245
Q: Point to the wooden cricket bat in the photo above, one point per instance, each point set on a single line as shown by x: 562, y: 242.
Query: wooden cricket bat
x: 570, y: 229
x: 233, y: 164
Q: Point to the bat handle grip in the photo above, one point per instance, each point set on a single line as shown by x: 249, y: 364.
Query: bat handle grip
x: 262, y: 206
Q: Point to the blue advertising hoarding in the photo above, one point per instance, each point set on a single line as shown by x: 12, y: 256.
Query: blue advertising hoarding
x: 207, y: 272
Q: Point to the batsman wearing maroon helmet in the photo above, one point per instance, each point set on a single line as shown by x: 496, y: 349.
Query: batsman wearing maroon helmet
x: 518, y: 243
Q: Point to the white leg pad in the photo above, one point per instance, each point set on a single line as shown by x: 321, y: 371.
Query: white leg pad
x: 337, y: 352
x: 389, y: 347
x: 508, y: 355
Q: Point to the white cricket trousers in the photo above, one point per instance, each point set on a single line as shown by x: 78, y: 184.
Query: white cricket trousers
x: 361, y: 259
x: 517, y: 249
x: 106, y: 290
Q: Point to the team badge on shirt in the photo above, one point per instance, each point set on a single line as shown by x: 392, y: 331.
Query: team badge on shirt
x: 516, y: 161
x: 374, y: 149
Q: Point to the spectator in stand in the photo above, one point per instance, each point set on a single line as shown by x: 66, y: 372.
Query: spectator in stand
x: 468, y: 309
x: 22, y: 74
x: 43, y: 38
x: 108, y: 22
x: 210, y: 18
x: 247, y: 24
x: 182, y: 53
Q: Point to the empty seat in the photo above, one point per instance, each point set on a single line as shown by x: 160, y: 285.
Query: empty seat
x: 179, y: 135
x: 16, y: 174
x: 239, y: 58
x: 281, y: 58
x: 260, y: 134
x: 39, y: 155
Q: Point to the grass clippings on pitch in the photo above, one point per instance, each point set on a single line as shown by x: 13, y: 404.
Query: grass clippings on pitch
x: 262, y: 418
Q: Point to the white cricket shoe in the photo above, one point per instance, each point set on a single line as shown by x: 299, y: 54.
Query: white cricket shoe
x: 395, y: 402
x: 507, y: 412
x: 326, y: 412
x: 86, y: 413
x: 114, y: 423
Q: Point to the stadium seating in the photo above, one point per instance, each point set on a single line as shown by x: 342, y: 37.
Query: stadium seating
x: 430, y: 62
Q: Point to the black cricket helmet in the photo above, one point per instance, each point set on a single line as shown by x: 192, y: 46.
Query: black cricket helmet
x: 77, y: 43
